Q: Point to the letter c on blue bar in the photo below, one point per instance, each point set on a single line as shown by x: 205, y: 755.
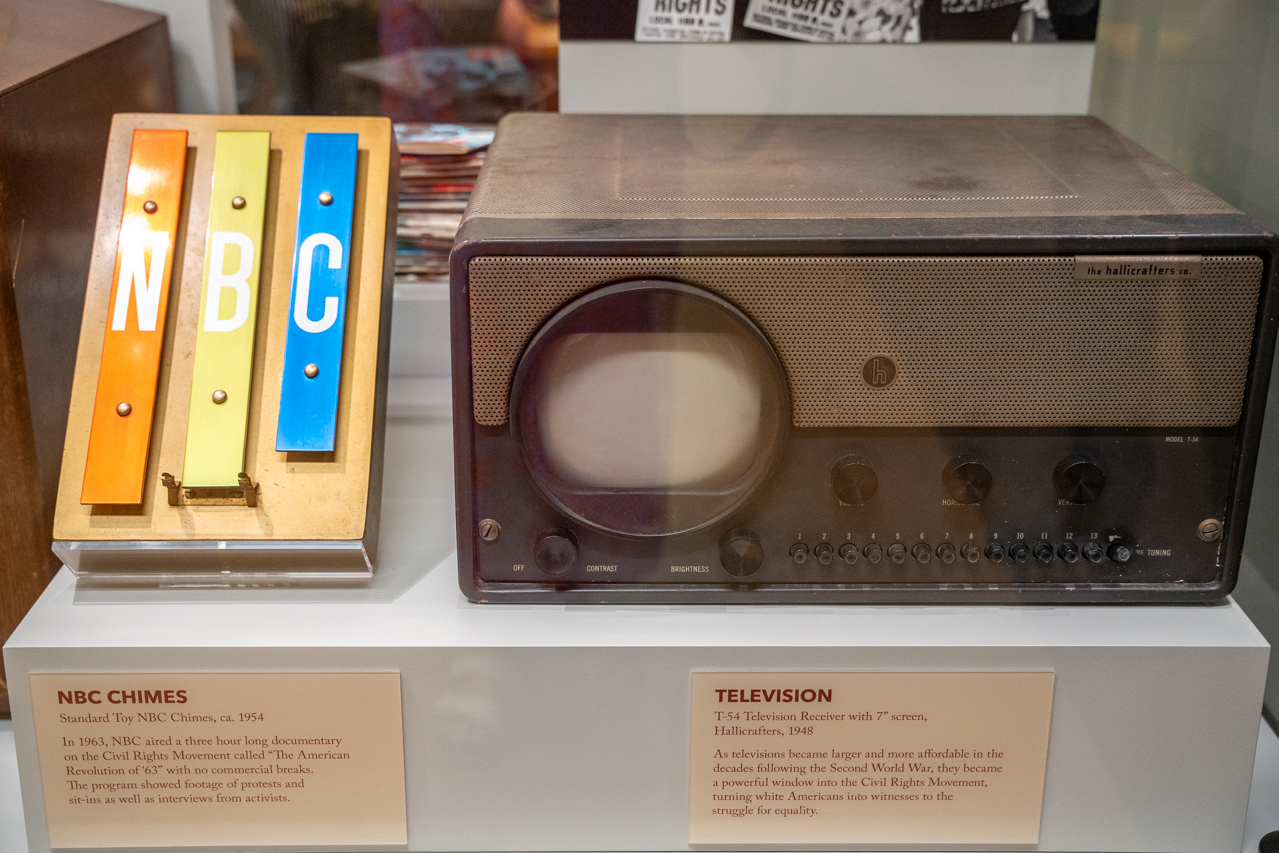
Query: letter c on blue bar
x: 317, y: 306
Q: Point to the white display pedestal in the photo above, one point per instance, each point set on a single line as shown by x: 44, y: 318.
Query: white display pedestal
x: 567, y: 728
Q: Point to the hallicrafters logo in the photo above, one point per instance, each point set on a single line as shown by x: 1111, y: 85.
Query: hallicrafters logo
x: 879, y: 371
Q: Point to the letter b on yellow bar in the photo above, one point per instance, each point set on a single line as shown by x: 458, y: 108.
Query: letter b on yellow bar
x: 218, y: 416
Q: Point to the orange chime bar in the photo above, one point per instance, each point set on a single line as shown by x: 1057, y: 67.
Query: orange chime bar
x: 120, y: 436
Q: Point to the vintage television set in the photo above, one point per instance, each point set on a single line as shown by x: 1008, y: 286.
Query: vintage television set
x: 852, y: 359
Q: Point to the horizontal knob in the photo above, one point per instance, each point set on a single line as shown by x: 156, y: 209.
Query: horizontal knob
x: 967, y: 480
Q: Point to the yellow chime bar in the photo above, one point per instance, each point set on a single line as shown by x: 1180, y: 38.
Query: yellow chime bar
x: 120, y: 434
x: 218, y: 415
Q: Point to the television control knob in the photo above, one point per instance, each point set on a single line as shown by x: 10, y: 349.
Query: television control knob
x: 946, y: 552
x: 922, y: 553
x: 970, y: 552
x: 1019, y: 552
x: 1119, y: 552
x: 556, y: 551
x: 995, y: 552
x: 1078, y: 479
x: 853, y: 480
x: 848, y: 553
x: 873, y: 552
x: 824, y: 553
x: 1068, y: 551
x: 897, y: 553
x: 1092, y: 552
x: 1043, y: 552
x: 967, y: 480
x: 799, y: 552
x: 740, y: 553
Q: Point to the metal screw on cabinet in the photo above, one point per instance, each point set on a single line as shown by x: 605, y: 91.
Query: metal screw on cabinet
x: 489, y: 530
x: 311, y: 371
x: 1210, y: 530
x: 219, y: 396
x: 123, y: 409
x: 238, y: 202
x: 326, y: 198
x: 150, y: 207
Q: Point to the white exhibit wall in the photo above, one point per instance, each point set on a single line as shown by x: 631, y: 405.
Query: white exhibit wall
x: 759, y: 77
x: 200, y: 32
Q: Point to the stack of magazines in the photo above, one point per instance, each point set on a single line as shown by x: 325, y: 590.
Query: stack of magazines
x: 438, y: 167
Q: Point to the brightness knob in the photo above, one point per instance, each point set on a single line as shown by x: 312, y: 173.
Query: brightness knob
x: 740, y: 553
x: 853, y: 480
x: 1078, y: 479
x: 967, y: 480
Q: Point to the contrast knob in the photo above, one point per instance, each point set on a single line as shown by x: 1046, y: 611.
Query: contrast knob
x: 740, y: 553
x: 1078, y: 479
x: 967, y: 480
x: 556, y: 551
x: 853, y: 480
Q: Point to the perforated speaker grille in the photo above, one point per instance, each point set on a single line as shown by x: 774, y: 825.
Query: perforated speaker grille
x: 982, y: 342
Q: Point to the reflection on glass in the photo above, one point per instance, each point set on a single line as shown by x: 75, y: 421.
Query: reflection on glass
x: 650, y: 410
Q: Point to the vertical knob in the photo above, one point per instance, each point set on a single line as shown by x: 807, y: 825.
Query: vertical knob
x: 1078, y: 479
x: 967, y: 480
x: 853, y: 480
x: 556, y: 551
x: 740, y: 552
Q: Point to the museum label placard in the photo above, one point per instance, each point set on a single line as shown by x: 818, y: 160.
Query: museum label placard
x: 945, y: 758
x: 144, y: 759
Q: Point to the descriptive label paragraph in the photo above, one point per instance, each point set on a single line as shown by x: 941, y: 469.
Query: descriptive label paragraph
x: 868, y: 757
x: 205, y: 759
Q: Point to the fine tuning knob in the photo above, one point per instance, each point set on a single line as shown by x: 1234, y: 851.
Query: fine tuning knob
x: 1078, y: 479
x: 740, y: 552
x: 853, y: 480
x: 967, y: 480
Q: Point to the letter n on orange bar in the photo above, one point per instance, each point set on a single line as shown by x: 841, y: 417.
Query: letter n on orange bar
x: 120, y: 436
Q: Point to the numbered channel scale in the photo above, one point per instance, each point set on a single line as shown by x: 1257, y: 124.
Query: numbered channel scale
x: 227, y: 414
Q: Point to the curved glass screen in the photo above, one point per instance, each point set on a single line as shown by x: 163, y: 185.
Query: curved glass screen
x: 649, y: 410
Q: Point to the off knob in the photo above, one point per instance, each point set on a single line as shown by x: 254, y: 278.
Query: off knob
x: 740, y: 553
x: 1078, y: 479
x: 556, y: 551
x: 853, y: 480
x: 967, y: 480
